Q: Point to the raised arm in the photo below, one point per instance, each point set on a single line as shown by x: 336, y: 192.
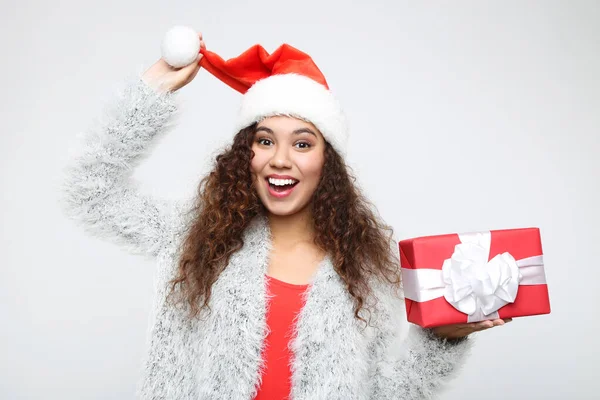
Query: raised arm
x: 98, y: 190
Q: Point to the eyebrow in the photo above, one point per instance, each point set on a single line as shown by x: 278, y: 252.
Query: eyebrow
x: 295, y: 132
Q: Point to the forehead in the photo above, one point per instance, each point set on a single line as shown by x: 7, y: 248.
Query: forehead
x: 283, y: 124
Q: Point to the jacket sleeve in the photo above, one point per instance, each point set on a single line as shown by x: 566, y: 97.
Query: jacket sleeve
x: 97, y: 189
x: 426, y: 364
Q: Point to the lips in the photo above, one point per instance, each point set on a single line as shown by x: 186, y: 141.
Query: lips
x: 280, y: 193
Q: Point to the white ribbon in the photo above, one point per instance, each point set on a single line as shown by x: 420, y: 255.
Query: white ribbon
x: 472, y: 284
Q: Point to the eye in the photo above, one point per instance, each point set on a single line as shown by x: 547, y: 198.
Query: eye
x: 262, y: 140
x: 307, y: 145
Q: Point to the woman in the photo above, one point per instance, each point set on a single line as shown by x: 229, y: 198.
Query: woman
x: 279, y: 280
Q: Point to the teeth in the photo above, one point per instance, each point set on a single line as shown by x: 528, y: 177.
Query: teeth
x: 281, y: 182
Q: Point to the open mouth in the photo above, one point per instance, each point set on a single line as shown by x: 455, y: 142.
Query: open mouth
x: 281, y: 185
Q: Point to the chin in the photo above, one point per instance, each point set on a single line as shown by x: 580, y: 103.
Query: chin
x: 281, y: 209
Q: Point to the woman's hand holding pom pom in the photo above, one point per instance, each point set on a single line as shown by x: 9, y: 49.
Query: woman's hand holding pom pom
x: 163, y: 77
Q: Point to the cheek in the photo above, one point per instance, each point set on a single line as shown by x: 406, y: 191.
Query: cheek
x: 312, y: 169
x: 254, y: 165
x: 258, y: 162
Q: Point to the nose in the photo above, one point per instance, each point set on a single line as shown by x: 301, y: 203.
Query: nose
x: 280, y: 158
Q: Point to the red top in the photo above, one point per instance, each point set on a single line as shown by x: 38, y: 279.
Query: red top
x: 283, y: 307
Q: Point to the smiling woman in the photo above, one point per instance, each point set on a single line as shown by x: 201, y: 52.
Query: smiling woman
x: 278, y: 232
x: 288, y: 158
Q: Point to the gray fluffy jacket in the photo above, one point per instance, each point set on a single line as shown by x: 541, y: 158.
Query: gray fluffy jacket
x: 219, y: 356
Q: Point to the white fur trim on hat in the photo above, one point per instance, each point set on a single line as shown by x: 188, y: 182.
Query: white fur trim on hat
x: 296, y: 96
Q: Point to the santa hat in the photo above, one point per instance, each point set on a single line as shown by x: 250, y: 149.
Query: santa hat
x: 286, y: 82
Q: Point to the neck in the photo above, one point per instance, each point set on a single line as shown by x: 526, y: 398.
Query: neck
x: 288, y: 230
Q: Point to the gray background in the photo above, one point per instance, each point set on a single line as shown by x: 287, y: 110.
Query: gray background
x: 465, y: 116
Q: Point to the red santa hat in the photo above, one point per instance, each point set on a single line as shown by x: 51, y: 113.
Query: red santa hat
x: 286, y: 82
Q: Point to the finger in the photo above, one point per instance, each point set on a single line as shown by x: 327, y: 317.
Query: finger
x: 507, y: 320
x: 188, y: 70
x: 483, y: 325
x: 202, y: 44
x: 193, y: 75
x: 197, y: 60
x: 475, y: 326
x: 199, y: 35
x: 469, y: 327
x: 488, y: 324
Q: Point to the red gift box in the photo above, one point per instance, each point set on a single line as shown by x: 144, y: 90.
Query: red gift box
x: 459, y: 278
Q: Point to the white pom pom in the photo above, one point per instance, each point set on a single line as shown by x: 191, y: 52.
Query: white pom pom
x: 180, y: 46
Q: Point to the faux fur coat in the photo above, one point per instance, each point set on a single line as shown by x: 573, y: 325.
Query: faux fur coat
x: 219, y: 357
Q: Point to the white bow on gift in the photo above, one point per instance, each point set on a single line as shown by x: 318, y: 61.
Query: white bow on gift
x: 472, y: 284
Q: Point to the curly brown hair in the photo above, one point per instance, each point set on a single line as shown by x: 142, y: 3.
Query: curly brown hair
x: 346, y: 226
